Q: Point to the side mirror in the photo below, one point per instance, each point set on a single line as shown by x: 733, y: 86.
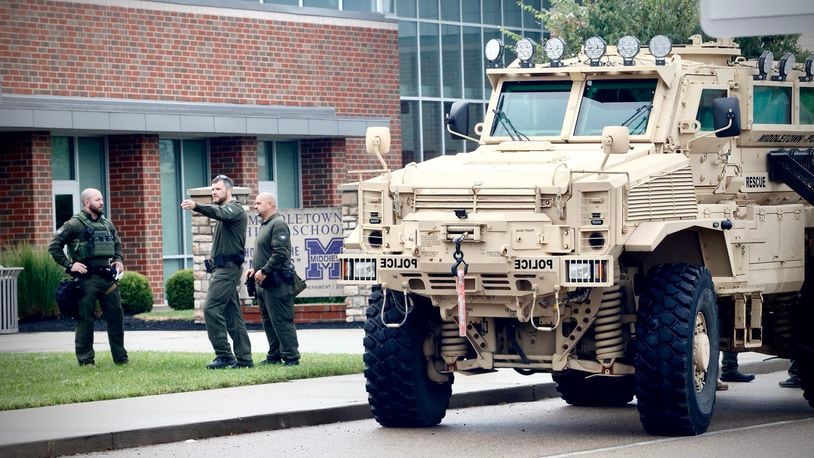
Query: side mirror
x: 458, y: 118
x: 726, y: 116
x: 377, y: 140
x: 615, y: 139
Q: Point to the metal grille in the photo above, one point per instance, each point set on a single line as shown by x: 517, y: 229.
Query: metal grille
x: 668, y: 196
x: 494, y: 200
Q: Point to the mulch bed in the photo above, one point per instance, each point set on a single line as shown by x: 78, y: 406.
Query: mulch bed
x: 134, y: 324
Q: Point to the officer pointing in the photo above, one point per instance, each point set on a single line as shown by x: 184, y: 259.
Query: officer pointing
x: 95, y: 254
x: 222, y: 313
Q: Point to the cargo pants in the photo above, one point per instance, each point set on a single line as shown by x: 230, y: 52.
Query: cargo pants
x: 223, y: 317
x: 95, y: 287
x: 277, y: 313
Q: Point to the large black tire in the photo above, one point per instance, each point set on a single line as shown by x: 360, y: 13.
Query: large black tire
x: 598, y: 391
x: 677, y: 350
x: 400, y: 393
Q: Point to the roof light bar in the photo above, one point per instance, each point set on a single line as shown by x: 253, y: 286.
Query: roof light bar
x: 525, y: 52
x: 628, y: 48
x: 660, y: 46
x: 764, y: 65
x: 554, y: 49
x: 595, y: 48
x: 493, y: 52
x: 784, y: 67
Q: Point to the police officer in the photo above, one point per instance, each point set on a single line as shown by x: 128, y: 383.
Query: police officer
x: 95, y: 254
x: 273, y: 274
x: 222, y: 313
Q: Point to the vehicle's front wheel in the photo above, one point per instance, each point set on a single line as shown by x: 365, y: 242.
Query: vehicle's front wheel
x: 399, y: 391
x: 677, y: 350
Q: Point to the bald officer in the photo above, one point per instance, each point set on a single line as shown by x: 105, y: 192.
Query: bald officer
x: 273, y: 273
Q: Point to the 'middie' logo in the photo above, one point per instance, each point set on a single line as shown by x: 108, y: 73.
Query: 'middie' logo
x: 321, y: 257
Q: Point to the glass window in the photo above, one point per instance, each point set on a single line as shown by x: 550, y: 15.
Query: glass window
x: 92, y: 168
x: 428, y: 9
x: 453, y: 144
x: 332, y: 4
x: 359, y: 5
x: 265, y: 162
x: 704, y: 115
x: 405, y: 8
x: 287, y: 161
x: 470, y: 11
x: 183, y: 166
x: 772, y: 105
x: 807, y: 105
x: 63, y: 166
x: 491, y: 12
x: 615, y: 103
x: 512, y: 14
x: 430, y: 61
x: 410, y: 134
x: 473, y: 65
x: 284, y: 2
x: 408, y: 59
x: 451, y: 10
x: 531, y: 108
x: 432, y: 129
x: 529, y: 21
x: 451, y: 56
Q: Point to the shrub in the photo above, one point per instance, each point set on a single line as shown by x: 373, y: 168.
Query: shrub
x: 180, y: 290
x: 137, y: 297
x: 37, y: 283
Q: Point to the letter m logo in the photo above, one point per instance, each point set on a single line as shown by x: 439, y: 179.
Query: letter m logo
x: 322, y: 257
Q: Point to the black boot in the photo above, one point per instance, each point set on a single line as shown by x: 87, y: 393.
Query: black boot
x: 222, y: 362
x: 737, y: 376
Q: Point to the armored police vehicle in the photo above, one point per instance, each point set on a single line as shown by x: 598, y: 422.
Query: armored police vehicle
x: 627, y: 214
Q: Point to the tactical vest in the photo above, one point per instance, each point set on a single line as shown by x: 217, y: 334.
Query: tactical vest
x: 96, y: 241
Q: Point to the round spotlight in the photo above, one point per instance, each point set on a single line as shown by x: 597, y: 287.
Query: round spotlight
x: 493, y: 50
x: 785, y: 65
x: 525, y: 51
x: 660, y: 46
x: 595, y: 48
x: 764, y: 64
x: 628, y: 46
x: 554, y: 48
x: 809, y: 68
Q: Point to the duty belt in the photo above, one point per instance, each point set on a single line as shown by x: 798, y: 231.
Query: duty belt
x: 222, y: 259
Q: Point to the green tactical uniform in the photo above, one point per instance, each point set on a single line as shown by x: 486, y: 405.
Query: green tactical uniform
x: 95, y: 244
x: 272, y: 254
x: 222, y: 313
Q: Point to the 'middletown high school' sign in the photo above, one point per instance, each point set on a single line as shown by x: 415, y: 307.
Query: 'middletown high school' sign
x: 316, y: 240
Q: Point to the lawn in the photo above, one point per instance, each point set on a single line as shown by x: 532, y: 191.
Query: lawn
x: 165, y: 315
x: 46, y: 379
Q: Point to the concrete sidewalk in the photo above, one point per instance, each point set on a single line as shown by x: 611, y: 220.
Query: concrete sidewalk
x: 124, y: 423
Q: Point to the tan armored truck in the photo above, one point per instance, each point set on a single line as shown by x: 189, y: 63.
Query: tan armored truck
x: 626, y: 215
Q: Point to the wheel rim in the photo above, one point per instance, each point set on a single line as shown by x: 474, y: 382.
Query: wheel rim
x: 700, y: 352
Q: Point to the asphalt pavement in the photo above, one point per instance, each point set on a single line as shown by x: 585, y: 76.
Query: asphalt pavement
x: 124, y: 423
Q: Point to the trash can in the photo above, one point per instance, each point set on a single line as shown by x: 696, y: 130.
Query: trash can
x: 8, y: 299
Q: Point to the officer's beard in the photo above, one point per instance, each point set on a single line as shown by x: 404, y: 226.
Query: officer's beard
x: 96, y: 211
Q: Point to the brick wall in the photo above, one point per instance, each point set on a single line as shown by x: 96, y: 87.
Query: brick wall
x: 25, y: 171
x: 84, y: 50
x: 135, y: 200
x: 235, y: 157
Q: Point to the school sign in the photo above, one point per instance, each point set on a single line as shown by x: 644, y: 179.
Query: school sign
x: 316, y: 241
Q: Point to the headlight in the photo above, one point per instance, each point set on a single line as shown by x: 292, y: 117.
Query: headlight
x: 493, y: 51
x: 579, y: 272
x: 628, y: 47
x: 525, y: 51
x: 660, y: 46
x: 554, y: 50
x: 595, y: 48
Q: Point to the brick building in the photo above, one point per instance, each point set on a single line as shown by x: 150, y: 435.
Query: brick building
x: 146, y: 99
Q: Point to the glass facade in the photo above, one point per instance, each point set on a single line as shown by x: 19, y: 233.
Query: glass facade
x: 184, y: 165
x: 77, y: 163
x: 278, y: 171
x: 440, y: 51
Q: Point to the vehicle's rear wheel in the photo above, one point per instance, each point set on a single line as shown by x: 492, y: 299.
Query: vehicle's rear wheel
x: 399, y: 391
x: 677, y: 350
x: 578, y: 388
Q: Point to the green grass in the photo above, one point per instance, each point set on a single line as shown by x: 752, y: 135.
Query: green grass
x: 46, y: 379
x: 164, y: 315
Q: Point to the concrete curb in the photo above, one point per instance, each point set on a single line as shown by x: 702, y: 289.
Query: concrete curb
x: 359, y: 411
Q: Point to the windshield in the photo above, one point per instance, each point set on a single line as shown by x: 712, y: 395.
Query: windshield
x: 615, y: 103
x: 533, y: 108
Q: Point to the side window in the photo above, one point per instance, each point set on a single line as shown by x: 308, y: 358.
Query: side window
x: 772, y: 105
x: 807, y: 105
x: 704, y: 115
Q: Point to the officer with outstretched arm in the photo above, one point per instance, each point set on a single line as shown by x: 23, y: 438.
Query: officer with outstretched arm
x: 222, y: 313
